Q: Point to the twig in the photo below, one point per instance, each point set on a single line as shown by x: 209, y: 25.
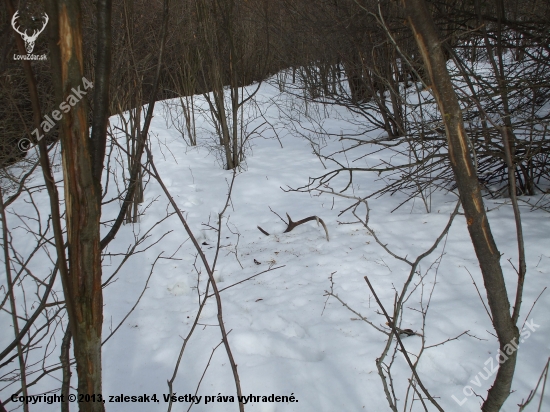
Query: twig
x: 361, y: 317
x: 137, y: 302
x: 479, y: 294
x: 532, y: 393
x: 447, y: 340
x: 205, y: 369
x: 183, y: 346
x: 404, y: 351
x: 244, y: 280
x: 209, y: 271
x: 530, y: 310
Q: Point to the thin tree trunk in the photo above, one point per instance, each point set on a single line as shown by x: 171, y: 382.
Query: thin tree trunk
x: 485, y: 248
x: 142, y: 138
x: 13, y: 305
x: 82, y: 203
x: 51, y: 187
x: 101, y: 90
x: 65, y: 359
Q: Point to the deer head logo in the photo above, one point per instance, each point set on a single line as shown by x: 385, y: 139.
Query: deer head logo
x: 29, y: 40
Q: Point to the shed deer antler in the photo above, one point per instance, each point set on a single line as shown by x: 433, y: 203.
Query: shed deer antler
x: 291, y: 225
x: 29, y: 40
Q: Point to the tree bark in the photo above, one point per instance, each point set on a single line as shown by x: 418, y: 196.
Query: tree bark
x: 485, y: 248
x: 82, y: 204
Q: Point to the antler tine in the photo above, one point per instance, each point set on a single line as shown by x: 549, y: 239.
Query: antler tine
x: 46, y: 20
x: 13, y: 23
x: 38, y: 31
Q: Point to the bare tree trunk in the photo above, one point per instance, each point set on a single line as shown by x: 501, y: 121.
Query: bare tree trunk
x: 101, y: 90
x: 13, y: 305
x: 142, y: 137
x: 53, y: 195
x: 82, y: 200
x: 132, y: 137
x: 65, y: 359
x: 488, y: 256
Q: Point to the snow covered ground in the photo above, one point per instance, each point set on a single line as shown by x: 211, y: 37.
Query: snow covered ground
x: 287, y: 336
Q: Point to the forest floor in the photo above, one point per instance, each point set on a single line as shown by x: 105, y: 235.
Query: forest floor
x: 287, y: 335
